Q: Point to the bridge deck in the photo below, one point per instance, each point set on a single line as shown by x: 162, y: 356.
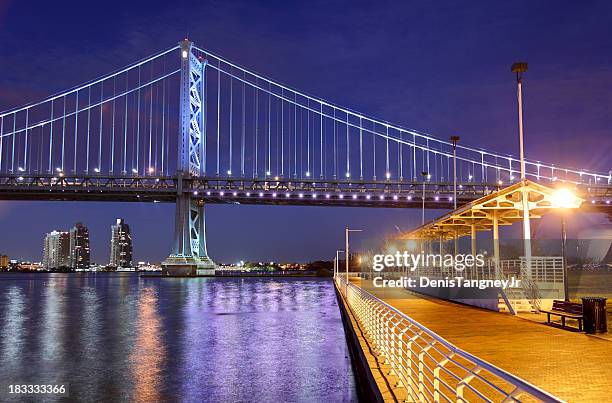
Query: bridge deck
x: 571, y: 365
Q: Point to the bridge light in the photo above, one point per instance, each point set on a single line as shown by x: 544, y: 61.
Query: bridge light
x: 134, y: 170
x: 354, y: 197
x: 511, y: 177
x: 394, y: 197
x: 287, y: 195
x: 260, y: 194
x: 97, y: 170
x: 368, y: 197
x: 248, y: 194
x: 273, y: 194
x: 20, y: 178
x: 607, y: 201
x: 470, y: 177
x: 381, y: 197
x: 301, y: 195
x: 21, y: 169
x: 409, y: 198
x: 314, y: 195
x: 222, y: 194
x: 61, y: 174
x: 185, y: 54
x: 308, y: 173
x: 207, y: 193
x: 341, y: 196
x: 58, y: 169
x: 229, y: 171
x: 450, y: 198
x: 327, y: 196
x: 460, y: 186
x: 388, y: 175
x: 592, y: 201
x: 276, y: 178
x: 195, y: 192
x: 268, y: 173
x: 235, y: 194
x: 437, y: 198
x: 151, y: 170
x: 428, y: 176
x: 348, y: 174
x: 499, y: 182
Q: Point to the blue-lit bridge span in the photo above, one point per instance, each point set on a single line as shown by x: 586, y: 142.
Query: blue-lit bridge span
x: 188, y: 126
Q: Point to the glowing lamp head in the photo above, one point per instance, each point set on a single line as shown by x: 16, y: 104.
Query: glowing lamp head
x: 308, y: 174
x: 564, y: 198
x: 185, y: 54
x: 388, y: 175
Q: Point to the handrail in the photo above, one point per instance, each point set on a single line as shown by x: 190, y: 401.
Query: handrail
x: 441, y: 367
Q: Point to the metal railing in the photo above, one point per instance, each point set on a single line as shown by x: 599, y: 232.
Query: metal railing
x: 427, y: 366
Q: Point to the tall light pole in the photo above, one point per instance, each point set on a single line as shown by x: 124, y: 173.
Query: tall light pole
x: 337, y: 262
x: 346, y: 248
x: 519, y: 68
x: 455, y: 139
x: 564, y: 254
x: 425, y: 175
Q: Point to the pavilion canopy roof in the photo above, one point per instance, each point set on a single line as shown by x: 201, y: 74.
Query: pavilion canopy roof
x: 506, y: 204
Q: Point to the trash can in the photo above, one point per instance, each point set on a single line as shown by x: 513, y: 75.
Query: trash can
x: 594, y: 312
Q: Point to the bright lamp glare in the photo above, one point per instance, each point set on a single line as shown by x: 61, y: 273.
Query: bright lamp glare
x: 563, y: 198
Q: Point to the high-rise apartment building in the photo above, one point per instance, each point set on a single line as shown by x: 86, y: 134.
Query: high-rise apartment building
x: 56, y: 251
x: 121, y: 245
x: 79, y: 247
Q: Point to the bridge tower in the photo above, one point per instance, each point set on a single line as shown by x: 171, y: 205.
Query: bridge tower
x: 189, y: 255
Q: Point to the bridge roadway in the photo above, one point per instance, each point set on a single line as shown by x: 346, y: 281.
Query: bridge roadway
x: 272, y: 190
x: 571, y: 365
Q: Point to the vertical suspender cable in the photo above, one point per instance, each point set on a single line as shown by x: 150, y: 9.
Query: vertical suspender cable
x: 374, y: 149
x: 112, y: 156
x: 148, y: 167
x: 269, y: 171
x: 335, y: 145
x: 321, y: 139
x: 101, y: 119
x: 13, y: 143
x: 63, y: 132
x: 360, y: 148
x: 243, y: 145
x: 282, y: 133
x: 348, y: 154
x: 51, y: 139
x: 76, y: 132
x: 218, y: 110
x: 387, y: 173
x: 231, y: 122
x: 163, y: 128
x: 137, y: 149
x: 88, y: 128
x: 25, y: 148
x: 125, y: 125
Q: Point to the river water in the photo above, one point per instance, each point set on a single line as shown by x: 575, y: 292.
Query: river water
x: 120, y: 337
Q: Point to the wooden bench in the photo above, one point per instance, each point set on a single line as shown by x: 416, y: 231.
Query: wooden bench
x: 566, y: 309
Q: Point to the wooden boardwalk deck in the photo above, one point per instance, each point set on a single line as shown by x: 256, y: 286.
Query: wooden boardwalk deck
x: 573, y: 366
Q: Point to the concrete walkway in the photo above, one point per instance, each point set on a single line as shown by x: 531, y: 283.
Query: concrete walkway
x: 570, y: 365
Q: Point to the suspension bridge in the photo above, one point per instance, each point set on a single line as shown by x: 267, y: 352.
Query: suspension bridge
x: 188, y: 126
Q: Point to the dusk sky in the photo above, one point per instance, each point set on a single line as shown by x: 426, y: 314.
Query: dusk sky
x: 439, y: 67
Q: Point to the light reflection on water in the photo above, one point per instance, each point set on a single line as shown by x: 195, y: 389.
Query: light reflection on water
x: 118, y: 337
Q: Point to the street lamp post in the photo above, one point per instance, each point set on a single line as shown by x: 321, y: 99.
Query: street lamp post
x: 425, y: 174
x: 455, y: 139
x: 519, y: 68
x: 337, y: 262
x: 564, y: 254
x: 346, y: 249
